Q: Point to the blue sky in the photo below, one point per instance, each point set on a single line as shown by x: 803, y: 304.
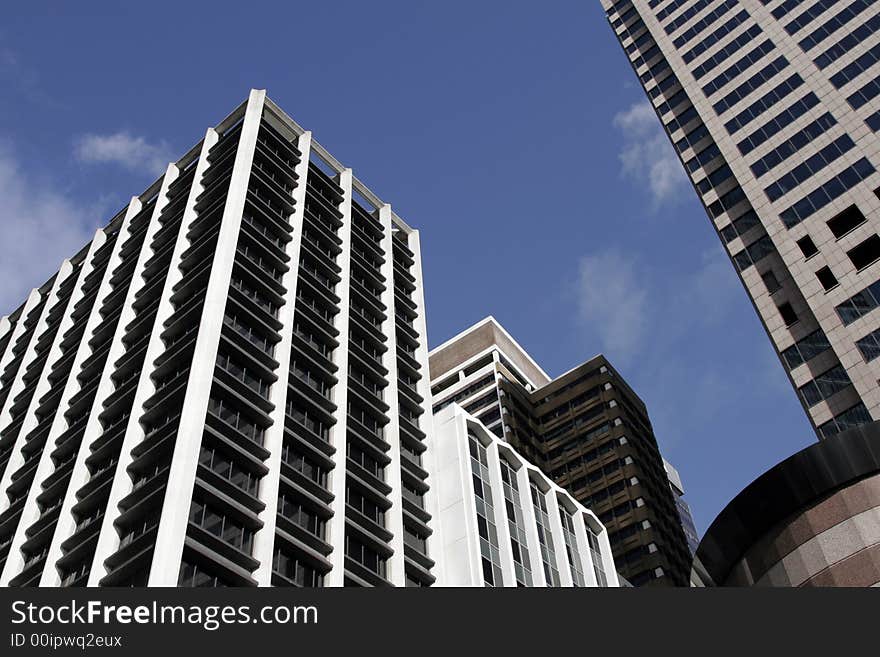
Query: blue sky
x: 512, y: 134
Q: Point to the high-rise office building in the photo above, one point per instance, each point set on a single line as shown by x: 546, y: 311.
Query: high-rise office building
x: 586, y: 430
x: 503, y: 522
x: 227, y: 386
x: 773, y: 107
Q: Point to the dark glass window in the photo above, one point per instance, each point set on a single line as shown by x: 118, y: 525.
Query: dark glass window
x: 852, y: 417
x: 770, y: 281
x: 826, y: 278
x: 865, y: 253
x: 824, y: 385
x: 846, y: 221
x: 870, y: 345
x: 788, y: 314
x: 806, y: 348
x: 859, y: 304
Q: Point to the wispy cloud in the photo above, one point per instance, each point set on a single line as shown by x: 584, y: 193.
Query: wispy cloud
x: 666, y: 331
x: 124, y: 149
x: 40, y: 228
x: 646, y: 156
x: 612, y: 300
x: 622, y: 303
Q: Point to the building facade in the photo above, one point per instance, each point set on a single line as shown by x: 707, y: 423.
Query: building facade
x: 812, y: 520
x: 586, y: 430
x: 227, y: 386
x: 502, y: 522
x: 772, y: 107
x: 684, y: 510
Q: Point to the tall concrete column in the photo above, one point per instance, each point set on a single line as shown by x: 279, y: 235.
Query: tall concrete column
x: 171, y: 535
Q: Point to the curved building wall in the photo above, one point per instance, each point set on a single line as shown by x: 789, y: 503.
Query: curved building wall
x: 833, y: 543
x: 812, y: 520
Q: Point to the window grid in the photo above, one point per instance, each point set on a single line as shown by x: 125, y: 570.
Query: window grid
x: 811, y: 166
x: 834, y: 188
x: 859, y: 304
x: 750, y: 85
x: 848, y: 42
x: 834, y: 23
x: 764, y: 103
x: 793, y: 144
x: 852, y: 417
x: 489, y: 551
x: 806, y: 349
x: 824, y: 386
x: 704, y: 23
x: 574, y: 559
x: 736, y: 69
x: 596, y: 555
x: 725, y: 52
x: 516, y: 525
x: 778, y: 123
x: 545, y: 539
x: 716, y: 36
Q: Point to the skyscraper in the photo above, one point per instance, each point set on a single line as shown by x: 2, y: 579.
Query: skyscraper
x: 227, y: 386
x: 501, y: 521
x: 772, y: 107
x: 586, y: 430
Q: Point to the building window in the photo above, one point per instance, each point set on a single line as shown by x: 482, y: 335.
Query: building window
x: 788, y: 314
x: 294, y: 569
x: 859, y: 304
x: 852, y: 417
x: 596, y: 556
x: 807, y: 247
x: 574, y: 557
x: 545, y: 538
x: 870, y: 345
x: 824, y: 386
x: 826, y: 278
x: 194, y: 575
x: 835, y: 22
x: 810, y: 167
x: 516, y: 525
x: 865, y: 253
x: 793, y: 144
x: 754, y: 253
x: 365, y: 556
x: 779, y: 122
x: 770, y: 281
x: 834, y: 188
x: 846, y: 221
x: 489, y: 551
x: 223, y: 527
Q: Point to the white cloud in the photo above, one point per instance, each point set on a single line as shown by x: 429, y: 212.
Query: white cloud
x: 134, y: 153
x: 622, y: 301
x: 647, y: 156
x: 612, y: 301
x: 40, y: 228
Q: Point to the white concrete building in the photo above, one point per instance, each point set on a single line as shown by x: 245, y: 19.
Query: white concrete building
x: 227, y: 386
x: 773, y: 107
x: 501, y: 522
